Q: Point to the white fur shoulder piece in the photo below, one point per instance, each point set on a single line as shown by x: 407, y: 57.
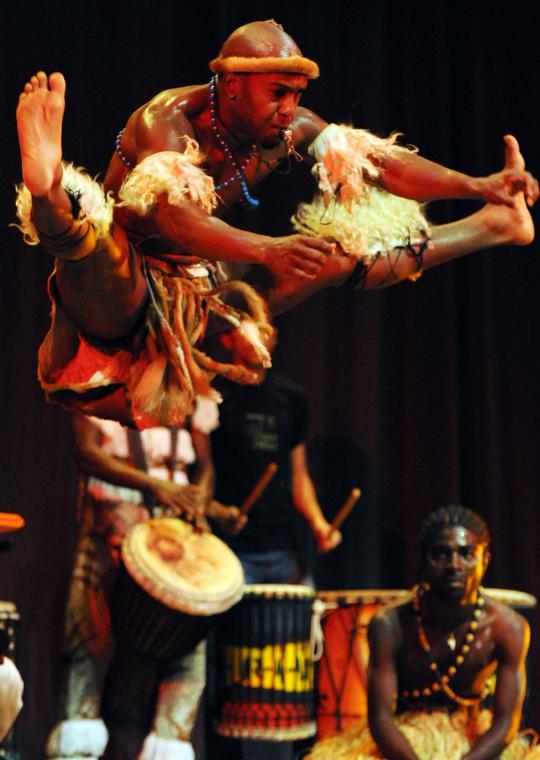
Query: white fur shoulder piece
x: 177, y: 175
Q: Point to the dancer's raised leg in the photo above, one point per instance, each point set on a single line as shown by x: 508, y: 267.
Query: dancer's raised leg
x: 489, y: 227
x: 98, y: 277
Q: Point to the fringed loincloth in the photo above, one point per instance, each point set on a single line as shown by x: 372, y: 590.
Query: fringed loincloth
x: 153, y: 376
x: 438, y: 735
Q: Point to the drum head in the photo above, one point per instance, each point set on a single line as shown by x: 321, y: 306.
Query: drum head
x: 517, y: 599
x: 279, y: 591
x: 192, y: 572
x: 377, y: 596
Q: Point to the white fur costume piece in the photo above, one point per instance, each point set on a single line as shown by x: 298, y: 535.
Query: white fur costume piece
x: 96, y: 207
x: 366, y: 220
x: 11, y: 691
x: 80, y: 739
x: 174, y: 174
x: 155, y: 748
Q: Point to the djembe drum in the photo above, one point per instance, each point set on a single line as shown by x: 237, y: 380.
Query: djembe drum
x: 172, y: 585
x: 265, y: 675
x: 342, y: 670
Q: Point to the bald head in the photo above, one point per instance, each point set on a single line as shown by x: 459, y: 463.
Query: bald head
x: 260, y: 39
x: 262, y: 46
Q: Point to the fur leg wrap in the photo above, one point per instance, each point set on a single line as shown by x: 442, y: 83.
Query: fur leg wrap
x: 155, y: 748
x: 176, y: 175
x: 80, y: 738
x: 78, y: 231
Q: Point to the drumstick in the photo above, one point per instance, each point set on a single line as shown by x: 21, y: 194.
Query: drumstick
x: 10, y: 521
x: 345, y: 509
x: 259, y: 487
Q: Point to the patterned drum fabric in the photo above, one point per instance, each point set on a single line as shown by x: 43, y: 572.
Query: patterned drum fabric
x: 265, y: 665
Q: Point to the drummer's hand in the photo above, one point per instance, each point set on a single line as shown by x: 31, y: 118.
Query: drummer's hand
x: 229, y: 519
x: 181, y: 500
x: 327, y: 539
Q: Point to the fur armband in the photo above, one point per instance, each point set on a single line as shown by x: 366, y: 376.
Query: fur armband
x: 95, y: 206
x: 177, y: 175
x: 345, y: 158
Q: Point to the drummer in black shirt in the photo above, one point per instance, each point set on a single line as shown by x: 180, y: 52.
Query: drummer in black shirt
x: 261, y: 424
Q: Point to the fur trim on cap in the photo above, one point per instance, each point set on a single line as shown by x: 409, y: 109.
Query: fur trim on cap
x: 156, y: 748
x: 168, y: 172
x: 294, y: 64
x: 85, y: 738
x: 96, y: 207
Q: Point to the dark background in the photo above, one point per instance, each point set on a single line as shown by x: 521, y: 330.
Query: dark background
x: 422, y: 394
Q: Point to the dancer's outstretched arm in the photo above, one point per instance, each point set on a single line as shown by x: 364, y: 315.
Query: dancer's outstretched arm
x: 408, y: 174
x: 412, y: 176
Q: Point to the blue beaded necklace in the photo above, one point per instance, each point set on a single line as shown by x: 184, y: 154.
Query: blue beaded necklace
x: 238, y: 174
x: 118, y: 147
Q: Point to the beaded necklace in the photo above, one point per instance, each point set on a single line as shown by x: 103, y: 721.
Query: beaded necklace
x: 237, y: 176
x: 442, y: 682
x: 239, y: 169
x: 122, y: 156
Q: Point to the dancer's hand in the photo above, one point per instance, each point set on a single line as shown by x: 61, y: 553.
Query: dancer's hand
x: 501, y: 188
x: 297, y: 256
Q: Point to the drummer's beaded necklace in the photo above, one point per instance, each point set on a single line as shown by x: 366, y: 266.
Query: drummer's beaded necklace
x: 442, y: 682
x: 238, y: 175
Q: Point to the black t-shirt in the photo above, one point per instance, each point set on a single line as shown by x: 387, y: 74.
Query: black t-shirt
x: 259, y: 424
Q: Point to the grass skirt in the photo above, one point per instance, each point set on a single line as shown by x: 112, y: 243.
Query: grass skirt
x: 438, y: 735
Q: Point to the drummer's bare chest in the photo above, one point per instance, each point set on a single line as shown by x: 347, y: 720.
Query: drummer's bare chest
x: 477, y: 660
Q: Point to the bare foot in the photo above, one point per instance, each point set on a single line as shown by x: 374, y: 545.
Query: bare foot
x: 510, y: 226
x: 39, y: 124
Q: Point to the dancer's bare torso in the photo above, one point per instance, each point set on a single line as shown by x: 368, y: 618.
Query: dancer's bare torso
x: 163, y: 124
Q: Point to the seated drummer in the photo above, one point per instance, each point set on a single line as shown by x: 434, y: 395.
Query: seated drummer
x: 432, y: 658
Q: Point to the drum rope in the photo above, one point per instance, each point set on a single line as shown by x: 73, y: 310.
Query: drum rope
x: 316, y: 636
